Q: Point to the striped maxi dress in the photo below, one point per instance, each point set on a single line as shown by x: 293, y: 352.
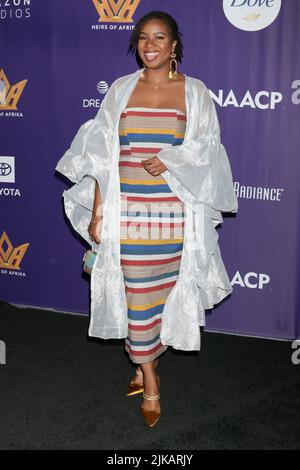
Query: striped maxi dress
x: 152, y: 225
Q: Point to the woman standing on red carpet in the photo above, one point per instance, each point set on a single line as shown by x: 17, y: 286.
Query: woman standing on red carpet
x: 174, y: 179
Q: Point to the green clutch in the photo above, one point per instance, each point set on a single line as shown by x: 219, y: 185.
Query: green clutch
x: 89, y: 259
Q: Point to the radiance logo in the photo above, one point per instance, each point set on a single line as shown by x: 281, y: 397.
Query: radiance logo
x: 115, y: 11
x: 10, y: 257
x: 10, y: 95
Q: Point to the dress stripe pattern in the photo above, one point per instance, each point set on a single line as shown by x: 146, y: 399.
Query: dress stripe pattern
x: 152, y: 225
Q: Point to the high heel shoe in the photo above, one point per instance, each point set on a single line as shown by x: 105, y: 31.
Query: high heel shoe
x: 151, y: 416
x: 133, y: 387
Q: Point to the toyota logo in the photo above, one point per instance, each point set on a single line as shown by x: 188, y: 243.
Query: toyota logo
x: 5, y: 169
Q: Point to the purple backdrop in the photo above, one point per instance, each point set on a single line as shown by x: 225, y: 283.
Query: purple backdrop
x: 64, y: 53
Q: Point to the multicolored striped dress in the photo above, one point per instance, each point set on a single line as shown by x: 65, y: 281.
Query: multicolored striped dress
x: 152, y: 225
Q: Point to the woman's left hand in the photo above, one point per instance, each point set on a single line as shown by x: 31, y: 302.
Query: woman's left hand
x: 154, y: 166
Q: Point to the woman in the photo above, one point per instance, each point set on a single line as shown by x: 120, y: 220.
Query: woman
x: 156, y: 135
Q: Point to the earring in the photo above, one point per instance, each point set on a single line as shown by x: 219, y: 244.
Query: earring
x: 173, y: 74
x: 143, y: 72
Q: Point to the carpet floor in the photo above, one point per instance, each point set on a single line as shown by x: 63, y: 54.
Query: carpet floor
x: 61, y: 389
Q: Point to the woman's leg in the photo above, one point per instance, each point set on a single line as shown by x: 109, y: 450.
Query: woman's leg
x: 151, y: 386
x: 139, y: 378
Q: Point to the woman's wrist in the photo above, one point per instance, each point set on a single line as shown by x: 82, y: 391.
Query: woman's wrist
x: 96, y: 218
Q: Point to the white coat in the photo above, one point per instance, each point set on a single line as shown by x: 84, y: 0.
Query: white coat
x: 198, y: 172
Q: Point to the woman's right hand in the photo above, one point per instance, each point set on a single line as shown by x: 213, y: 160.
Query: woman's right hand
x: 94, y: 228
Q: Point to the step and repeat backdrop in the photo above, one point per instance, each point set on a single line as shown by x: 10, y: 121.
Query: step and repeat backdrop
x: 57, y: 61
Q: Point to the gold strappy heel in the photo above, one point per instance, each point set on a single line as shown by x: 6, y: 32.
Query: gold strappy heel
x: 133, y: 387
x: 151, y: 416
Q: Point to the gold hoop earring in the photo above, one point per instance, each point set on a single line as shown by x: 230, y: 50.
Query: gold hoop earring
x: 173, y: 74
x: 143, y: 72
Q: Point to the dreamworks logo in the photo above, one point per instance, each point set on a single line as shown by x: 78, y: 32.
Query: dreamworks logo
x: 251, y: 280
x: 102, y: 88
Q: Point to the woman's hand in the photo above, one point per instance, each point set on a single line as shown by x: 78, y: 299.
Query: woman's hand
x: 94, y: 228
x: 154, y: 166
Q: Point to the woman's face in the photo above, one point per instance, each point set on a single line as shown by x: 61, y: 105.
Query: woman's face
x: 155, y: 44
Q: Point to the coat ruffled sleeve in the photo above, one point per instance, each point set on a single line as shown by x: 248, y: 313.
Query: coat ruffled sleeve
x: 199, y: 170
x: 87, y: 161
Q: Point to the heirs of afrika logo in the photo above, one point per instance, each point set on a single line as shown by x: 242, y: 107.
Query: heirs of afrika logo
x: 115, y: 14
x: 11, y: 257
x: 9, y: 96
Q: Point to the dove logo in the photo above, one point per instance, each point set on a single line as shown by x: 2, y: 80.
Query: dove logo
x: 251, y: 15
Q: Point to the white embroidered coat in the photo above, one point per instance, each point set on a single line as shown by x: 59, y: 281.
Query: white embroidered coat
x: 198, y: 172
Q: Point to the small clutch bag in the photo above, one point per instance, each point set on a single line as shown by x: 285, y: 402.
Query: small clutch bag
x: 89, y: 259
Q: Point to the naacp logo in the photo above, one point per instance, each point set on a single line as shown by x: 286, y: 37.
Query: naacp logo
x: 251, y: 15
x: 10, y: 257
x: 263, y: 99
x: 120, y: 11
x: 10, y: 95
x: 251, y: 280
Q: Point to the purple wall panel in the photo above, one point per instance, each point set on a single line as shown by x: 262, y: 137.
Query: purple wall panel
x: 55, y: 46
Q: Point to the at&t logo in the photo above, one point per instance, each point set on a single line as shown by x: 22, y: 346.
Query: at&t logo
x: 102, y: 88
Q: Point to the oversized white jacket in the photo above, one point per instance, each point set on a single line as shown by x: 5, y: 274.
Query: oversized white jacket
x: 198, y: 172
